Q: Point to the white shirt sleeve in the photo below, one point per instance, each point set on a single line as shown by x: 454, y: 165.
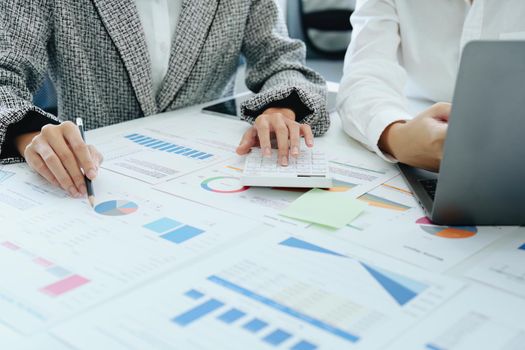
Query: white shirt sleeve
x: 371, y: 95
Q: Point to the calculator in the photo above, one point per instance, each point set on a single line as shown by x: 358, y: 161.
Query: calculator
x: 308, y: 170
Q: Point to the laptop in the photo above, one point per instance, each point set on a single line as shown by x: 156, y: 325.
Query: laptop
x: 482, y: 174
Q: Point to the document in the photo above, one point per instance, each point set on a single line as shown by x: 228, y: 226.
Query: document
x: 478, y: 318
x: 8, y: 336
x: 275, y: 290
x: 23, y: 191
x: 64, y: 259
x: 155, y: 155
x: 504, y: 268
x: 412, y: 238
x: 354, y: 171
x: 385, y: 202
x: 219, y: 186
x: 41, y: 341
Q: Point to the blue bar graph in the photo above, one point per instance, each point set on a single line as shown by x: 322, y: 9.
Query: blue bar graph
x: 181, y: 151
x: 168, y: 147
x: 277, y: 337
x: 194, y: 294
x: 304, y: 345
x: 197, y: 155
x: 285, y: 309
x: 522, y: 247
x: 173, y: 230
x: 145, y: 141
x: 162, y: 225
x: 182, y: 234
x: 231, y: 316
x: 162, y: 145
x: 154, y: 143
x: 191, y: 152
x: 255, y: 325
x: 432, y: 347
x: 197, y: 312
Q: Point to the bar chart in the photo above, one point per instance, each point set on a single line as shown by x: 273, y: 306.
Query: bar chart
x: 274, y: 336
x: 169, y: 147
x: 154, y: 156
x: 173, y: 230
x: 55, y: 280
x: 292, y: 293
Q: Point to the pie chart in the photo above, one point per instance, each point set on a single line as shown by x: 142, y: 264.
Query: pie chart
x: 116, y: 208
x: 452, y: 232
x: 223, y: 184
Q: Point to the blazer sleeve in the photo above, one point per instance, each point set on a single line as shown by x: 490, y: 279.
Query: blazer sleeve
x: 276, y: 70
x: 25, y: 31
x: 371, y: 95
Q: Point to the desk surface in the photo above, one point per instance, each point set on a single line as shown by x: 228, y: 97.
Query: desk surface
x: 177, y: 255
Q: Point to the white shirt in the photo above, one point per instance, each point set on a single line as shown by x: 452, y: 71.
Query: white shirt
x: 159, y: 19
x: 404, y: 57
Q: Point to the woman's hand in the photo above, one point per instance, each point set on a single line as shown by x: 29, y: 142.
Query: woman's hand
x: 280, y: 124
x: 58, y: 153
x: 419, y: 142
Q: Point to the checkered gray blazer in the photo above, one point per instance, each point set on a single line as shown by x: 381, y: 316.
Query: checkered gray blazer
x: 96, y: 54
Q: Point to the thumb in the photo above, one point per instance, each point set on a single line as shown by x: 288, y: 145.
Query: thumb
x: 247, y: 141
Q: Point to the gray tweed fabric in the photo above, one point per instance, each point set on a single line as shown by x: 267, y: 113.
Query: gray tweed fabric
x: 95, y: 52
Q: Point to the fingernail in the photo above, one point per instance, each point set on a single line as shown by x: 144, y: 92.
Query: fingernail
x: 91, y: 174
x: 295, y: 150
x: 267, y: 152
x: 284, y: 161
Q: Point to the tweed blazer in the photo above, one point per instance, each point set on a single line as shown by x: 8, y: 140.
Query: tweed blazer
x: 95, y: 52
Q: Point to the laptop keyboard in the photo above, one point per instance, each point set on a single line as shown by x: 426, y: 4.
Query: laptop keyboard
x: 429, y: 186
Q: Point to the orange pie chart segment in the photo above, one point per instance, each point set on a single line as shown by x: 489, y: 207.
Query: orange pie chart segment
x: 457, y: 232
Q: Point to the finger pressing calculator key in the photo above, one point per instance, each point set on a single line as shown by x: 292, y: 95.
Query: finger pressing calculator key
x: 308, y: 170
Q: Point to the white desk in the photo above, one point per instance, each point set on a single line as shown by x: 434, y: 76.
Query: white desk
x: 248, y: 280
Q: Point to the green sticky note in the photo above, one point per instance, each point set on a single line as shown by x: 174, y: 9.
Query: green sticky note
x: 332, y: 209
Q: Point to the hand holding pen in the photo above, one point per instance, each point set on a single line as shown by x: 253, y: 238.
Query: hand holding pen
x: 89, y: 183
x: 59, y: 154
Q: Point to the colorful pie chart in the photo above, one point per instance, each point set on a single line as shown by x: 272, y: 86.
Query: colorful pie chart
x: 223, y: 184
x: 453, y: 232
x: 116, y: 208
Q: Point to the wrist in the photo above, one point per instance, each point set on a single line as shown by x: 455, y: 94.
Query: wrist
x: 391, y: 138
x: 23, y: 140
x: 286, y: 112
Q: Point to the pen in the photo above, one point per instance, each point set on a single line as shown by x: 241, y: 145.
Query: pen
x: 89, y: 184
